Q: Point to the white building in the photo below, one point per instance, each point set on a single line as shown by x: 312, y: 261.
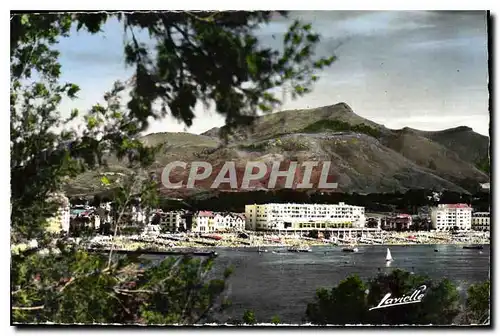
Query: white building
x: 481, y: 221
x: 208, y: 221
x: 222, y: 221
x: 303, y: 216
x: 445, y: 217
x: 173, y: 221
x: 204, y: 221
x: 229, y: 221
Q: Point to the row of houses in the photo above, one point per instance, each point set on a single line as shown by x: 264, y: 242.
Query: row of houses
x: 208, y: 221
x: 201, y: 221
x: 278, y: 217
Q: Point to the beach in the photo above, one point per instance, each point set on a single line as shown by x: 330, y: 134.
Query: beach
x: 167, y: 242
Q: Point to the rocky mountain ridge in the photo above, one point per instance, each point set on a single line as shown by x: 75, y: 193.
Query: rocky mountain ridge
x: 366, y: 157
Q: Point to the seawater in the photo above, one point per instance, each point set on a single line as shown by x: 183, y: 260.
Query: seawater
x: 281, y: 284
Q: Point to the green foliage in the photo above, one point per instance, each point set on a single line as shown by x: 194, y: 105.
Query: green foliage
x: 249, y: 317
x: 213, y: 61
x: 275, y: 320
x: 344, y: 304
x: 81, y: 288
x: 291, y: 145
x: 349, y: 302
x: 341, y: 126
x: 484, y: 165
x: 208, y: 57
x: 478, y: 303
x: 439, y: 306
x: 258, y: 147
x: 87, y: 291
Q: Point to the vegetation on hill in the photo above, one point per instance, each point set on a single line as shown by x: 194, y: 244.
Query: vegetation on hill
x: 483, y: 164
x: 341, y: 126
x: 280, y: 144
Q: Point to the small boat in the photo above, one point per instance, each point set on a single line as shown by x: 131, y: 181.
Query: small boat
x: 436, y: 250
x: 350, y: 249
x: 303, y: 248
x: 278, y: 252
x: 473, y: 247
x: 388, y: 257
x: 261, y: 250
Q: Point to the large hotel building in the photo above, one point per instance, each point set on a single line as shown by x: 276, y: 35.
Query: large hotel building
x: 446, y: 217
x: 290, y: 216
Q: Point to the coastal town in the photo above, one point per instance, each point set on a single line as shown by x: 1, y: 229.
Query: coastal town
x: 292, y: 225
x: 243, y: 168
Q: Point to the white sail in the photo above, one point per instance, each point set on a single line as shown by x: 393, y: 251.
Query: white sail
x: 389, y: 256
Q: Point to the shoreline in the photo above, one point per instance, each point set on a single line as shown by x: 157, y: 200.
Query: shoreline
x: 185, y: 249
x: 188, y: 243
x: 332, y: 245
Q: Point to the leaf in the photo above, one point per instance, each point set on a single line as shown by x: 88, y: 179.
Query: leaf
x: 105, y: 180
x: 25, y: 19
x: 73, y: 90
x: 74, y: 113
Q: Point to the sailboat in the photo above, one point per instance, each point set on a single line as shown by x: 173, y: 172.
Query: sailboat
x: 388, y: 257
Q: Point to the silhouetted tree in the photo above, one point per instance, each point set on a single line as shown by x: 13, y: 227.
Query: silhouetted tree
x: 350, y: 301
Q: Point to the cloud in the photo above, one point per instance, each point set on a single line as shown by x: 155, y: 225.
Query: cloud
x: 391, y: 66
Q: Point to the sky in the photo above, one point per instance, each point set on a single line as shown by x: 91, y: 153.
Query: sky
x: 425, y: 70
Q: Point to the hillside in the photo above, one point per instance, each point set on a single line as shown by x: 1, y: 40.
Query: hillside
x: 366, y: 157
x: 298, y: 121
x: 461, y: 140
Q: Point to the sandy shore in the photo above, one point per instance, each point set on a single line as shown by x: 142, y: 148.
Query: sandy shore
x: 230, y: 241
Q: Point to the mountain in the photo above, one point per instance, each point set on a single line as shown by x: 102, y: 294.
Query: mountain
x: 366, y: 157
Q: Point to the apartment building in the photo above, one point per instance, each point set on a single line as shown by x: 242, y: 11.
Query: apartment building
x: 481, y: 221
x: 292, y: 216
x: 446, y: 217
x: 173, y: 221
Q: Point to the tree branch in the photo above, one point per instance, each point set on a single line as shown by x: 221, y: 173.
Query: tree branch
x: 118, y: 221
x: 28, y: 308
x: 209, y: 19
x: 66, y: 284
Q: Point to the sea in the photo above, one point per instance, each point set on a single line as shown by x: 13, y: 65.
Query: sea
x: 282, y: 284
